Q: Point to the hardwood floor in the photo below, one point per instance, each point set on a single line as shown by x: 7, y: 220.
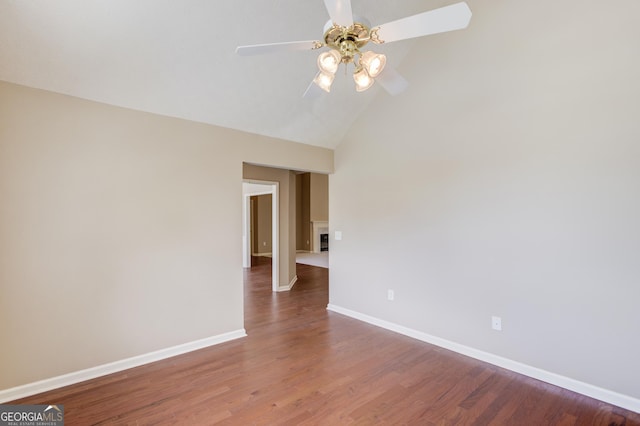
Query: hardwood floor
x: 301, y: 364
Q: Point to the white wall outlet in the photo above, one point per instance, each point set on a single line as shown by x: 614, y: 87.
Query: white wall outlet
x: 264, y: 243
x: 307, y: 242
x: 496, y: 323
x: 338, y: 235
x: 391, y: 294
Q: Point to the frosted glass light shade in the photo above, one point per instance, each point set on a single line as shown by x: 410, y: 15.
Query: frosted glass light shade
x: 363, y: 80
x: 324, y: 80
x: 329, y: 61
x: 373, y: 62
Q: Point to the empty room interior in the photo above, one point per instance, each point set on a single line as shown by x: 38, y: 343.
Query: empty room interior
x: 469, y: 173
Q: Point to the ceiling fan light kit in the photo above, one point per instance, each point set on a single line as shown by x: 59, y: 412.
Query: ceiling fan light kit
x: 373, y: 62
x: 345, y: 38
x: 329, y: 61
x: 344, y: 44
x: 363, y: 79
x: 324, y: 80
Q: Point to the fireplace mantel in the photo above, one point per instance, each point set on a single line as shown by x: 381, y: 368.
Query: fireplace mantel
x: 318, y: 227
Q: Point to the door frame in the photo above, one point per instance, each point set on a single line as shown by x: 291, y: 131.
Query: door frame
x: 273, y: 188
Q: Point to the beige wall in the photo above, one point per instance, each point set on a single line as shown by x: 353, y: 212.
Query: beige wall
x: 319, y: 197
x: 119, y: 230
x: 505, y: 181
x: 262, y: 215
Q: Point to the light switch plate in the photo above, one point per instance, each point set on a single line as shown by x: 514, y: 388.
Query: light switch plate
x: 338, y: 235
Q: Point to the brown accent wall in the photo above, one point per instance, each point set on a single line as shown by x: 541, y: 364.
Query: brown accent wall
x: 303, y: 221
x: 262, y: 224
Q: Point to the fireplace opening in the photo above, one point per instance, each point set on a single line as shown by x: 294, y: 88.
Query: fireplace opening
x: 324, y: 242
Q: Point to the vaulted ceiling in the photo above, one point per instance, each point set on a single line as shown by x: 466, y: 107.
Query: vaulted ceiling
x: 177, y: 58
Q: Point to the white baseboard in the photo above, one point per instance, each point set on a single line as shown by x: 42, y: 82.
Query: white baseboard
x: 29, y: 389
x: 587, y: 389
x: 290, y: 286
x: 265, y: 254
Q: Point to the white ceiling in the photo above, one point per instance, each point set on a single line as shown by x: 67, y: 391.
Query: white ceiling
x: 177, y: 58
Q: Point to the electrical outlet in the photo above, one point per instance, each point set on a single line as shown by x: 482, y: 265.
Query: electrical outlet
x: 264, y: 243
x: 496, y: 323
x: 391, y: 295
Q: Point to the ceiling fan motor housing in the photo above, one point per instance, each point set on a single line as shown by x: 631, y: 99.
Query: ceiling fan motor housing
x: 347, y: 40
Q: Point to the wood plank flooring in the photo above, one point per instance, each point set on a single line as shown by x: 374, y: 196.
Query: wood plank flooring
x: 301, y: 364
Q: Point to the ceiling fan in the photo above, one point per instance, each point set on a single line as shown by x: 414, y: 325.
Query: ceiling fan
x: 345, y: 36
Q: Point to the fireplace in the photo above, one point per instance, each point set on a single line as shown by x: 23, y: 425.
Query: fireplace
x: 324, y: 242
x: 320, y: 228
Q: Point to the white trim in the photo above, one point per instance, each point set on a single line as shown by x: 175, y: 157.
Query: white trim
x: 275, y: 230
x: 608, y: 396
x: 246, y: 231
x: 29, y: 389
x: 265, y: 192
x: 275, y: 236
x: 290, y: 286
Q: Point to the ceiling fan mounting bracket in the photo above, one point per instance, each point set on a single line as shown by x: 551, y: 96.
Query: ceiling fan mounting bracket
x: 347, y: 40
x: 374, y: 36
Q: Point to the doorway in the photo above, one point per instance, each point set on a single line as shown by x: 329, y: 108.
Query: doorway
x: 253, y: 188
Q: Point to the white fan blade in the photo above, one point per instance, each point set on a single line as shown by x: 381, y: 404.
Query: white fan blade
x: 448, y: 18
x: 392, y: 81
x: 340, y: 12
x: 290, y: 46
x: 313, y: 91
